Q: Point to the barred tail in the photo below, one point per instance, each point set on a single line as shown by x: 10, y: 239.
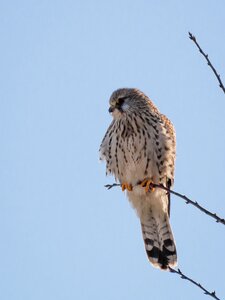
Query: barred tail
x: 159, y: 242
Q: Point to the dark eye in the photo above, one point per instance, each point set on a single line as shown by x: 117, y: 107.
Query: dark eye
x: 121, y: 100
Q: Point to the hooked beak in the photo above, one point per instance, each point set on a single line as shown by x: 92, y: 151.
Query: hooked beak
x: 111, y: 109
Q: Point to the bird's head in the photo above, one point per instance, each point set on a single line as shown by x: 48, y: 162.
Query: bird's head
x: 126, y: 100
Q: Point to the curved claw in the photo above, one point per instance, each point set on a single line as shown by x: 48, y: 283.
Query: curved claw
x: 126, y: 186
x: 146, y: 183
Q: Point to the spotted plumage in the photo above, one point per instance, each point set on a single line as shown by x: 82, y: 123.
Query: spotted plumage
x: 140, y: 145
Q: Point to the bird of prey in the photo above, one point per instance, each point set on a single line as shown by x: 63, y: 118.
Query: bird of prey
x: 139, y: 148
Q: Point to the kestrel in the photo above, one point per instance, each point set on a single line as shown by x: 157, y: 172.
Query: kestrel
x: 139, y: 148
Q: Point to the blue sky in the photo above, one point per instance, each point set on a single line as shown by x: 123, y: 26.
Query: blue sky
x: 63, y: 235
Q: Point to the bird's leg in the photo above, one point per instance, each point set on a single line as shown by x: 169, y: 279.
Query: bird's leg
x: 126, y: 186
x: 147, y: 184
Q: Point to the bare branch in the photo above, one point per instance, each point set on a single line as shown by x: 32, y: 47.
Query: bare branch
x: 193, y: 38
x: 187, y: 200
x: 183, y: 276
x: 109, y: 186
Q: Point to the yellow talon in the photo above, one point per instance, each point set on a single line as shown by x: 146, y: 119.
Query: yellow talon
x: 123, y: 186
x: 152, y: 188
x: 147, y: 184
x: 126, y: 186
x: 129, y: 187
x: 144, y: 182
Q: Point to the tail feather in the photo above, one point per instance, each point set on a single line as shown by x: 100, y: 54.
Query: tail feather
x: 159, y: 241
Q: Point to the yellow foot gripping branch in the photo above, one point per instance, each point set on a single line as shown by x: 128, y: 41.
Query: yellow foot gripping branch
x: 147, y: 184
x: 126, y: 186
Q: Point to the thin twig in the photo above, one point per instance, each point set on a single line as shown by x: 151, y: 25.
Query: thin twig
x: 109, y: 186
x: 183, y: 276
x: 193, y: 38
x: 187, y: 200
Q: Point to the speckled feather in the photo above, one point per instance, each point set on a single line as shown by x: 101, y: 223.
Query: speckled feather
x: 140, y: 144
